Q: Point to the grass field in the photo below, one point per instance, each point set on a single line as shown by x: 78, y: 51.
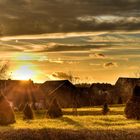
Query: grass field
x: 89, y: 124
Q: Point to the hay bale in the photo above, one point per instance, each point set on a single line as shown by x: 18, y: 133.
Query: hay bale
x: 132, y: 109
x: 28, y: 112
x: 105, y: 109
x: 7, y: 115
x: 54, y: 110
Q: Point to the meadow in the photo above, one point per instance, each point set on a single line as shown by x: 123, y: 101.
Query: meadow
x: 89, y: 124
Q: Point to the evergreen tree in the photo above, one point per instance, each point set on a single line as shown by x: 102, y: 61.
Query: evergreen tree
x: 105, y: 109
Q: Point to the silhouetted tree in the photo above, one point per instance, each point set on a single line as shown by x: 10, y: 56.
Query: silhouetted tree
x: 28, y: 112
x: 105, y: 109
x: 54, y: 110
x: 137, y: 74
x: 3, y: 70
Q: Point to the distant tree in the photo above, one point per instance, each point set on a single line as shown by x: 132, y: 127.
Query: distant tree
x: 3, y: 74
x: 28, y: 112
x: 72, y: 78
x: 3, y: 69
x: 105, y: 109
x: 137, y: 74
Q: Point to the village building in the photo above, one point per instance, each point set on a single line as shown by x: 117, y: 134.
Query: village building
x: 124, y: 87
x: 63, y: 90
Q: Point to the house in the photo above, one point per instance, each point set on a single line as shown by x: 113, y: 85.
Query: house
x: 124, y: 87
x: 83, y: 90
x: 100, y: 93
x: 63, y: 90
x: 15, y: 90
x: 21, y: 91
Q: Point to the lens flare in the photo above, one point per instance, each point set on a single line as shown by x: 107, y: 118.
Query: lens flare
x: 24, y: 72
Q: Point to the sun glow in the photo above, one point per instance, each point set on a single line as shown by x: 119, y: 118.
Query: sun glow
x: 24, y: 72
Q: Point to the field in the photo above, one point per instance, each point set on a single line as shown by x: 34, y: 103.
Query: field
x: 90, y: 124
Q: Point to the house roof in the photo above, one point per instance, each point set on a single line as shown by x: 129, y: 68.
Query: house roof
x: 53, y: 86
x: 127, y: 79
x: 101, y: 86
x: 9, y: 81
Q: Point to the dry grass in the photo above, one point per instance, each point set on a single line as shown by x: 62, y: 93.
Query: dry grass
x: 89, y: 124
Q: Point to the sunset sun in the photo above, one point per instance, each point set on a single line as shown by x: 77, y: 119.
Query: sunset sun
x: 23, y: 73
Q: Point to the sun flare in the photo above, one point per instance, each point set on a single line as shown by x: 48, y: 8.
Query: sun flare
x: 23, y: 73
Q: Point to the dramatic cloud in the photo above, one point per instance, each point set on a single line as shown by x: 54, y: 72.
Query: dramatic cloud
x: 65, y: 76
x: 51, y: 16
x: 92, y: 38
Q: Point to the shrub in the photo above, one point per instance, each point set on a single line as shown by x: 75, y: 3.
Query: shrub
x: 54, y: 110
x: 105, y: 109
x: 132, y: 109
x: 28, y: 112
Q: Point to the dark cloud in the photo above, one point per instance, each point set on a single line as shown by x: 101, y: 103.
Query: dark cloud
x: 47, y: 16
x: 65, y: 76
x: 110, y: 64
x: 68, y: 48
x: 97, y: 55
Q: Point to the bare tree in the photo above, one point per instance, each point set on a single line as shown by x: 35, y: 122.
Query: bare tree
x: 137, y: 74
x: 3, y: 70
x: 72, y: 78
x: 3, y: 74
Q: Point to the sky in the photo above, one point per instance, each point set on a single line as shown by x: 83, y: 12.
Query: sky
x: 93, y: 40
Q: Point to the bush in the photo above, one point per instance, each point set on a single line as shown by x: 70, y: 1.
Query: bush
x: 132, y: 109
x: 105, y: 109
x: 54, y: 110
x: 28, y: 112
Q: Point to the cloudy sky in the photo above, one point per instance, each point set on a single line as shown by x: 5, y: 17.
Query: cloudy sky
x: 94, y: 40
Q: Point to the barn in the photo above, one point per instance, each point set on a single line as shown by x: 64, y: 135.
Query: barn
x: 63, y: 90
x: 124, y: 87
x: 21, y: 91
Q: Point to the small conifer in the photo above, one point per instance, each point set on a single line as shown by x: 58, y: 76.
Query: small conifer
x: 105, y: 109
